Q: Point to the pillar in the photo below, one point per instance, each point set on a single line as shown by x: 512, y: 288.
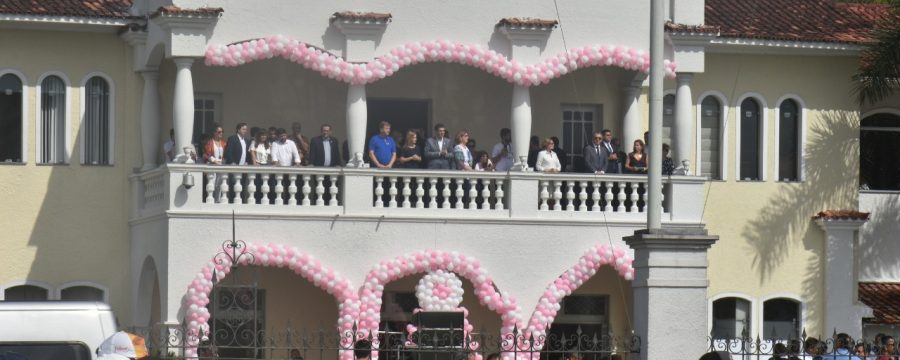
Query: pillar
x: 669, y: 291
x: 631, y: 123
x: 520, y: 124
x: 357, y: 117
x: 842, y: 312
x: 150, y: 125
x: 183, y: 105
x: 684, y: 132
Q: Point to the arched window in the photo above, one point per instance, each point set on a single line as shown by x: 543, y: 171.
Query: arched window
x: 879, y: 152
x: 82, y: 293
x: 750, y: 128
x: 781, y: 319
x: 668, y: 119
x: 96, y: 123
x: 52, y: 145
x: 789, y: 142
x: 731, y: 318
x: 10, y: 118
x: 710, y: 138
x: 25, y: 293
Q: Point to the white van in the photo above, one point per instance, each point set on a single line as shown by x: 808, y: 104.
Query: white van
x: 54, y: 330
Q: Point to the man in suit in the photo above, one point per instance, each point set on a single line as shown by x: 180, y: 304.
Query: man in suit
x: 612, y: 153
x: 236, y: 147
x: 595, y: 156
x: 439, y: 149
x: 324, y: 149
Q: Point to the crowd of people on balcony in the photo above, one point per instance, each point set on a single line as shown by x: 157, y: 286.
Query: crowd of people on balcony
x: 412, y: 150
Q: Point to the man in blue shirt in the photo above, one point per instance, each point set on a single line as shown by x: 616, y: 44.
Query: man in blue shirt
x: 382, y: 148
x: 842, y: 345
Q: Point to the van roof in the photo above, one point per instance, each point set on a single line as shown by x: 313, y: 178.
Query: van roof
x: 53, y: 305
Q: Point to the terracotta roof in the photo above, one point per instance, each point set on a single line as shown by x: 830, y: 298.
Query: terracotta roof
x: 884, y: 299
x: 527, y: 22
x: 361, y: 16
x: 693, y: 29
x: 78, y: 8
x: 173, y: 10
x: 794, y: 20
x: 842, y: 215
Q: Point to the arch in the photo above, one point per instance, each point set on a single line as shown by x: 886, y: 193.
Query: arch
x: 67, y: 121
x: 879, y: 136
x: 788, y: 296
x: 762, y: 151
x: 743, y: 296
x: 491, y: 61
x: 801, y: 136
x: 564, y: 285
x: 196, y: 298
x: 882, y: 110
x: 24, y: 120
x: 15, y: 283
x: 148, y: 285
x: 723, y: 131
x: 111, y: 111
x: 102, y: 288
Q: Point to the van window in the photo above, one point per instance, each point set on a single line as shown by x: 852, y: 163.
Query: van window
x: 44, y: 351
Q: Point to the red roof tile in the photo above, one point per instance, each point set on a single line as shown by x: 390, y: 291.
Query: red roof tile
x: 79, y: 8
x: 693, y: 29
x: 361, y: 16
x: 177, y: 11
x: 794, y: 20
x: 884, y: 299
x: 842, y: 215
x: 528, y: 22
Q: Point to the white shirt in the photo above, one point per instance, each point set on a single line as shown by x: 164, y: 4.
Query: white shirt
x: 167, y: 148
x: 547, y: 160
x: 285, y: 154
x: 326, y: 144
x: 505, y: 162
x: 440, y: 142
x: 243, y: 150
x: 260, y: 153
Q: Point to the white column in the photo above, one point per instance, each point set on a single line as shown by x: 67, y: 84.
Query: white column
x: 669, y: 292
x: 631, y: 123
x: 843, y: 313
x: 150, y: 120
x: 183, y: 106
x: 357, y: 116
x: 684, y: 131
x: 520, y: 124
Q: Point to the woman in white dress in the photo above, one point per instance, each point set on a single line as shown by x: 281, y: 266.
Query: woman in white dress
x: 547, y: 161
x: 260, y: 150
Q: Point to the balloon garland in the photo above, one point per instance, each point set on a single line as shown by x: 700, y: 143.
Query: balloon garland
x: 418, y: 52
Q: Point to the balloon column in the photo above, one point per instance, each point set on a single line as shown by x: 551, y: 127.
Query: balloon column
x: 431, y: 51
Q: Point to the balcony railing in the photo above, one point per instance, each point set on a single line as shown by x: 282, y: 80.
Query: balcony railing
x: 410, y: 193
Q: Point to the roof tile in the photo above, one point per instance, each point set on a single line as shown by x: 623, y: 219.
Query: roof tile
x: 884, y: 299
x: 842, y: 215
x: 79, y: 8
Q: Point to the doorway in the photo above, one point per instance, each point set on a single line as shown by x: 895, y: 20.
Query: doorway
x: 403, y: 114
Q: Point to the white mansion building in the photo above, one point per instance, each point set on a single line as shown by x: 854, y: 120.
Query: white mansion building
x: 794, y: 181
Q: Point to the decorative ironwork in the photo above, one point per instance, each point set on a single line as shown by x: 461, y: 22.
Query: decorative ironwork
x: 234, y: 251
x: 393, y: 345
x: 795, y: 345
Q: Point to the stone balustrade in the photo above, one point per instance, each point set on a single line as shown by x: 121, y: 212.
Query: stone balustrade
x: 401, y: 193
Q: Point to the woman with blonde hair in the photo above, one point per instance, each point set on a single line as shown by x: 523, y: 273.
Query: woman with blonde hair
x: 461, y: 152
x: 409, y: 156
x: 547, y: 161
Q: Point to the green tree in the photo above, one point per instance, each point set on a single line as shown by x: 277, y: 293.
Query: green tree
x: 878, y: 75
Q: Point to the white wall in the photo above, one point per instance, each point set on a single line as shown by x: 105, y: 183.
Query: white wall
x: 880, y: 237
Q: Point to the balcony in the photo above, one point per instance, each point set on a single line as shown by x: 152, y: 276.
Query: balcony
x: 281, y: 192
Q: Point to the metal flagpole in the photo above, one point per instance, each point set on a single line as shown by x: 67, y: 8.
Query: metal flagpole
x: 657, y: 71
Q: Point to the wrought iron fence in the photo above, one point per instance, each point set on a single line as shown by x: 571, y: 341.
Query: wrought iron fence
x: 838, y: 346
x: 432, y: 344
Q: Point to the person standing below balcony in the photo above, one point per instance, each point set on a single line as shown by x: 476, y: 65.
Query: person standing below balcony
x: 501, y: 154
x: 382, y: 147
x: 236, y: 149
x: 284, y: 151
x: 301, y: 141
x: 547, y: 161
x: 214, y: 149
x: 438, y: 149
x: 636, y: 163
x: 410, y: 156
x: 461, y: 152
x: 611, y: 152
x: 595, y: 157
x: 323, y: 149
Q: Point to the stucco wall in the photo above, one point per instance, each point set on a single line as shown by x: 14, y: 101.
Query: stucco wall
x: 769, y: 246
x: 879, y: 247
x: 65, y: 223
